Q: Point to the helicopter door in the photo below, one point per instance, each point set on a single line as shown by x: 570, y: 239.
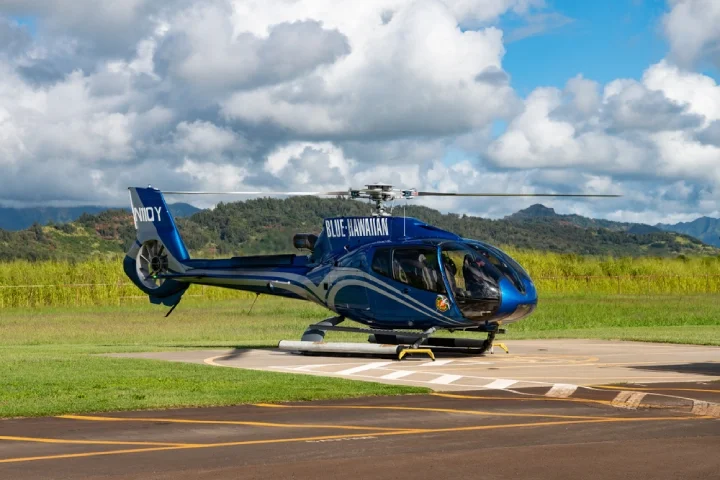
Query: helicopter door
x: 352, y: 300
x: 409, y: 284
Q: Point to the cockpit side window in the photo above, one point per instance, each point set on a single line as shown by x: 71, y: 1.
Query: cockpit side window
x: 414, y: 266
x: 381, y: 261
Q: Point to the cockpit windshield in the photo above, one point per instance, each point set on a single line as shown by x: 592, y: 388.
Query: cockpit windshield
x: 504, y: 263
x: 473, y: 279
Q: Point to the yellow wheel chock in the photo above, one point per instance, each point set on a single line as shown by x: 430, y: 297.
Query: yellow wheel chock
x: 501, y: 345
x: 410, y: 351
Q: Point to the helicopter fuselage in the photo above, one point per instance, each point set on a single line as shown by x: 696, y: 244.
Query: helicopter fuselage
x: 384, y: 272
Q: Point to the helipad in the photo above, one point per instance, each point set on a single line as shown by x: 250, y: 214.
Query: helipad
x: 560, y: 364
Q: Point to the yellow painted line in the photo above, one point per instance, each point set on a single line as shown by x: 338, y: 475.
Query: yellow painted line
x: 431, y: 409
x: 90, y: 442
x: 88, y: 454
x: 647, y: 378
x: 528, y: 397
x: 651, y: 389
x: 224, y: 422
x: 211, y: 360
x: 333, y: 437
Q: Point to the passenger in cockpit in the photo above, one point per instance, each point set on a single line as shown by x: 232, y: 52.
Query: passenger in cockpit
x: 479, y: 283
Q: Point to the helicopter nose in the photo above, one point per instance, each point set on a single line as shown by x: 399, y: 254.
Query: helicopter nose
x: 516, y: 304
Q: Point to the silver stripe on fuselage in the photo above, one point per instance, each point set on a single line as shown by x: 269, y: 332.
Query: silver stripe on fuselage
x: 234, y: 277
x: 345, y: 283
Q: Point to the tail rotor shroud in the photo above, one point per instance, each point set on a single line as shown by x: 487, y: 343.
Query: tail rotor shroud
x: 152, y: 261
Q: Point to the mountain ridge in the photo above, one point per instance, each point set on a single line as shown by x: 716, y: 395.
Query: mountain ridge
x: 22, y: 218
x: 266, y: 225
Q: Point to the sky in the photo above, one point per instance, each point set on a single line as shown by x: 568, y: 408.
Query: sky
x: 502, y: 96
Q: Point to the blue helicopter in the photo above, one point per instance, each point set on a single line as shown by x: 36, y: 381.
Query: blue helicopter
x: 403, y: 279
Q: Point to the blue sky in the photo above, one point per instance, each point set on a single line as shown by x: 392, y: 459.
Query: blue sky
x: 29, y: 22
x: 280, y: 98
x: 602, y: 40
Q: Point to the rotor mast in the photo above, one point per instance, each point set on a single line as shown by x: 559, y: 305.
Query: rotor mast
x: 380, y: 193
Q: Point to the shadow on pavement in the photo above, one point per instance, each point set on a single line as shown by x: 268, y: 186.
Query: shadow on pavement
x: 702, y: 368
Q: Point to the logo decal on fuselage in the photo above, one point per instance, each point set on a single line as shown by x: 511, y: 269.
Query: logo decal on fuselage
x: 147, y: 214
x: 442, y: 303
x: 357, y: 227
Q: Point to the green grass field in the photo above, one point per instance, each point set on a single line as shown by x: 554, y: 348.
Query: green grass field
x: 49, y: 361
x: 56, y: 317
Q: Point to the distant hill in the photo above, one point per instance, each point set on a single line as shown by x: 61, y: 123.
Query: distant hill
x: 22, y: 218
x: 541, y: 212
x: 706, y: 229
x: 266, y: 225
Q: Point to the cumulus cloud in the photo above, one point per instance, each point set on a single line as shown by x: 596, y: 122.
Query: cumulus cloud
x: 203, y: 49
x: 648, y: 127
x: 327, y: 94
x: 692, y: 29
x: 383, y: 88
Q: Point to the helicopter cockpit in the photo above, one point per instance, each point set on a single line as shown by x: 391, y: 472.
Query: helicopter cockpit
x: 473, y: 279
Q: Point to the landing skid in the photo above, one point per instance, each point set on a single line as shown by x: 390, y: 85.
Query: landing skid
x: 387, y: 343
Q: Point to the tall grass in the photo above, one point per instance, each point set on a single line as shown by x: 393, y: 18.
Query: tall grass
x: 556, y: 273
x: 102, y: 282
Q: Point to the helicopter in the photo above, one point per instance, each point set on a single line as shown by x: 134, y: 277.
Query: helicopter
x: 402, y: 279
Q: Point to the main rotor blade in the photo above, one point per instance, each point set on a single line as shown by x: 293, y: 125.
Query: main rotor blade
x: 441, y: 194
x: 258, y: 193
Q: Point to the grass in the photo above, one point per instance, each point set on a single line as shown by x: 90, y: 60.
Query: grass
x: 50, y: 366
x: 50, y: 332
x: 38, y: 382
x: 101, y: 281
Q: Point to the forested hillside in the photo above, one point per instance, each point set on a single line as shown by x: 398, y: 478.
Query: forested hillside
x: 22, y: 218
x: 267, y: 225
x: 705, y: 228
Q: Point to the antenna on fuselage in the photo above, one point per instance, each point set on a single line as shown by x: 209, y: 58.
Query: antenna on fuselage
x: 404, y: 217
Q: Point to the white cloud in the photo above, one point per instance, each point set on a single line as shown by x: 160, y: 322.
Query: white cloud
x: 204, y: 138
x: 699, y: 92
x: 416, y: 75
x: 692, y: 28
x: 328, y: 94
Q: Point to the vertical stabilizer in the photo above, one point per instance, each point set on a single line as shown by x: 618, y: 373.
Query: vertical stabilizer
x: 153, y: 221
x: 158, y: 249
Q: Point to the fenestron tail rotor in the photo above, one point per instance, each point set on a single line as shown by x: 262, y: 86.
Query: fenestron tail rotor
x: 382, y: 192
x: 151, y: 262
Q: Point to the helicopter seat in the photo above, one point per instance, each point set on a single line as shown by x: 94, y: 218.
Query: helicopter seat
x: 429, y: 275
x: 398, y: 272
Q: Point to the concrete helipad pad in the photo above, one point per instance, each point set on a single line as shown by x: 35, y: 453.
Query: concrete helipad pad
x: 561, y: 365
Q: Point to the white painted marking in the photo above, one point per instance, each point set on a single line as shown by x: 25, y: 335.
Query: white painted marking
x: 436, y: 363
x: 362, y: 368
x: 397, y: 374
x: 561, y: 390
x: 446, y: 379
x: 308, y: 368
x: 499, y: 384
x: 630, y: 400
x: 706, y: 408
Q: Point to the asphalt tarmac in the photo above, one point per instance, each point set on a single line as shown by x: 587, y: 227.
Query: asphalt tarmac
x: 495, y: 434
x: 572, y: 409
x: 530, y: 363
